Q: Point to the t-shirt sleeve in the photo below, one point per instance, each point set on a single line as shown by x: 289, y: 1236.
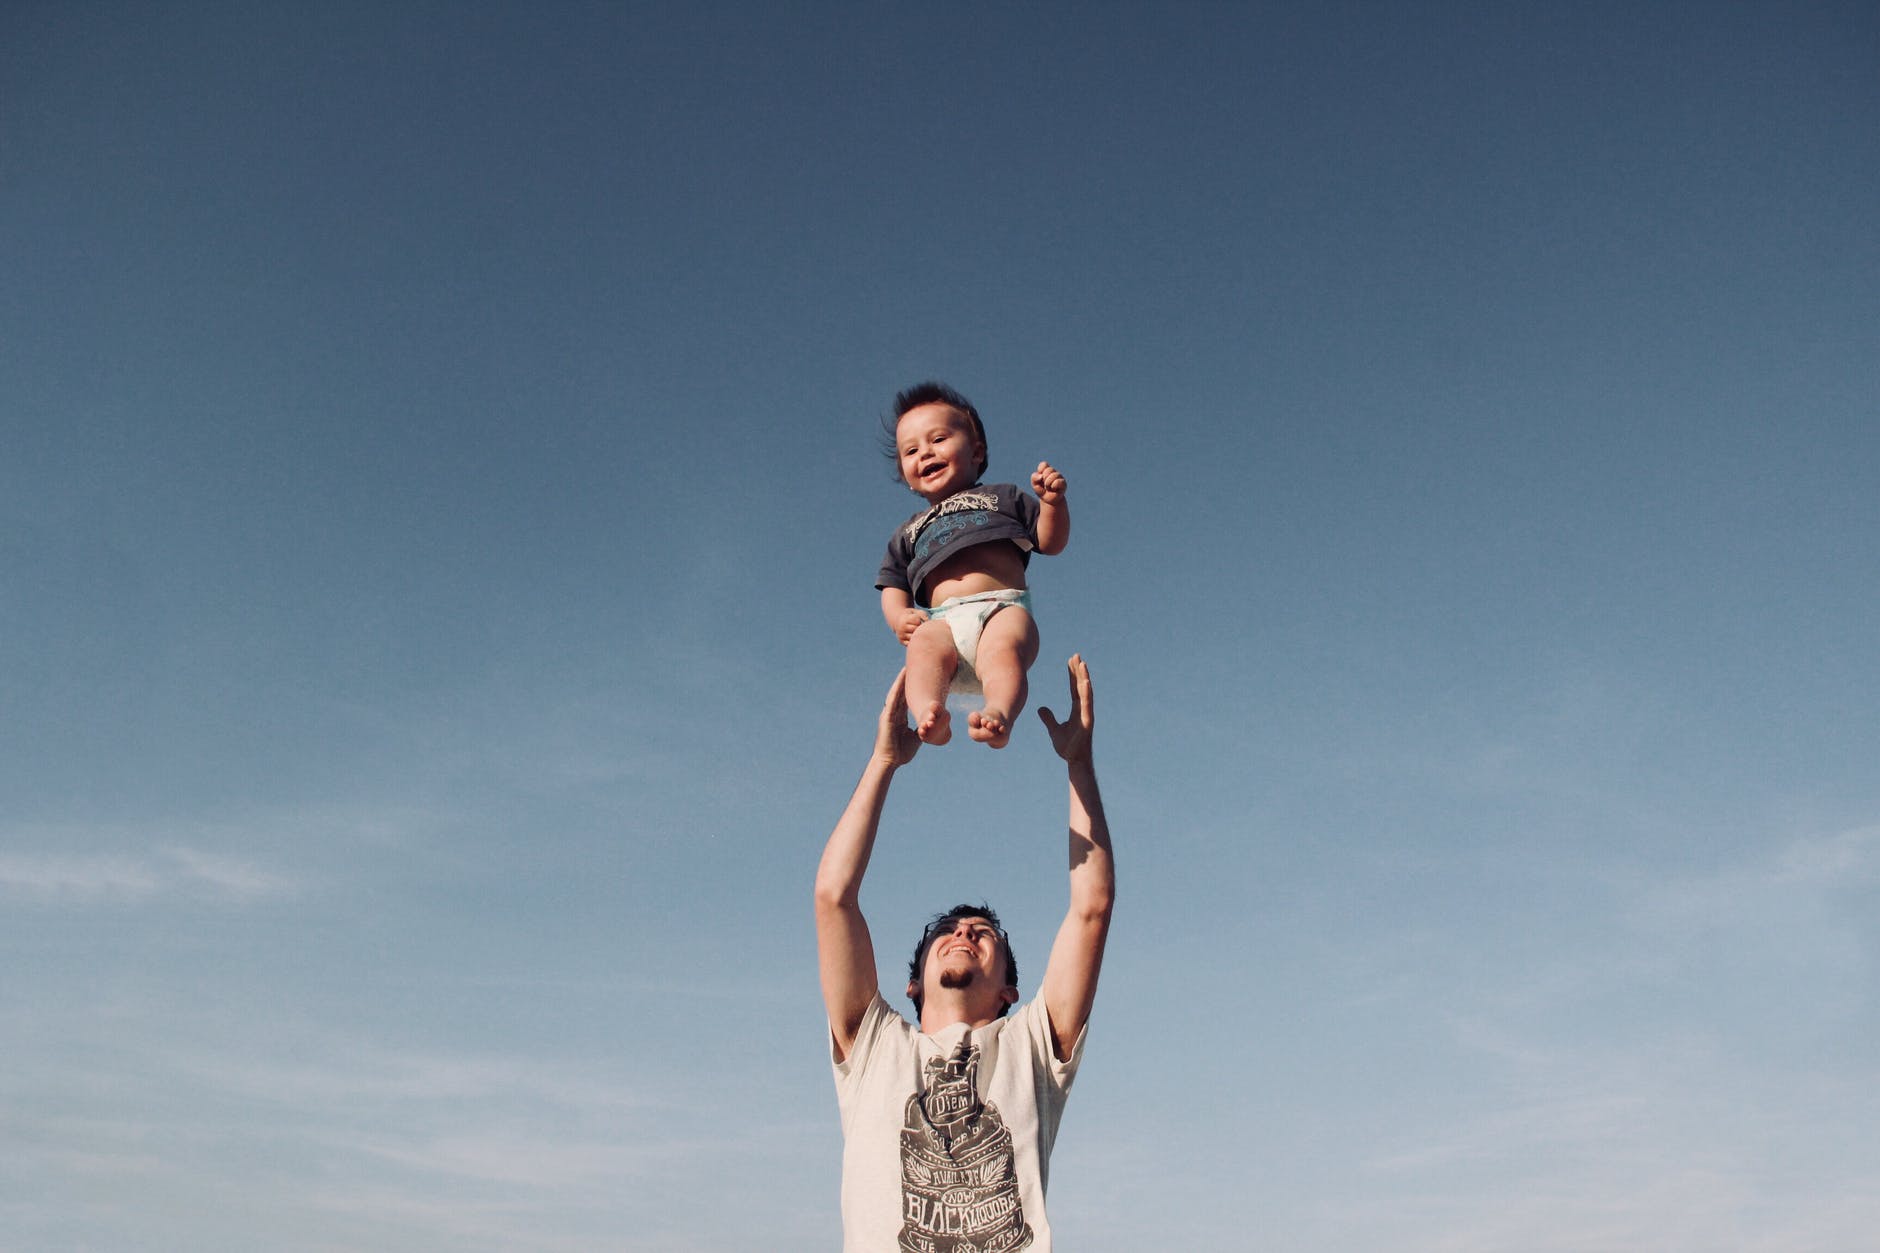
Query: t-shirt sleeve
x: 867, y: 1033
x: 1026, y: 506
x: 894, y: 567
x: 1052, y: 1073
x: 895, y: 561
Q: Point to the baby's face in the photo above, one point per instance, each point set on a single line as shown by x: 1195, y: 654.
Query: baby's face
x: 937, y: 451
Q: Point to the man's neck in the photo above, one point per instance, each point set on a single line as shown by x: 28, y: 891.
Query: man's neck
x: 937, y: 1016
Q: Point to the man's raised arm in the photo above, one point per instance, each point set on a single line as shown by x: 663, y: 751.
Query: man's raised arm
x: 845, y: 953
x: 1070, y: 979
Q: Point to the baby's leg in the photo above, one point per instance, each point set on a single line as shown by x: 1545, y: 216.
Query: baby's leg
x: 931, y: 662
x: 1007, y: 647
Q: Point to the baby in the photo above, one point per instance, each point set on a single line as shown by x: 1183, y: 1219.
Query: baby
x: 953, y: 584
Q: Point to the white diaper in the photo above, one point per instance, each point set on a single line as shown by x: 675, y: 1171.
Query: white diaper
x: 966, y: 617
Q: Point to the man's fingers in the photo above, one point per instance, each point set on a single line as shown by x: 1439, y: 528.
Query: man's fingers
x: 1083, y: 712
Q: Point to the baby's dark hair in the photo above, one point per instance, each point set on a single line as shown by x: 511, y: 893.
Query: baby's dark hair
x: 943, y: 924
x: 931, y: 392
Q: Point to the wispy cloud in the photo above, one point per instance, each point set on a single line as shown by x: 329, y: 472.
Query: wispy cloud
x: 1809, y: 902
x: 518, y: 1158
x: 78, y: 878
x: 227, y: 876
x: 376, y: 1077
x: 1655, y: 1057
x: 119, y: 877
x: 1811, y: 864
x: 1616, y: 1152
x: 345, y: 1143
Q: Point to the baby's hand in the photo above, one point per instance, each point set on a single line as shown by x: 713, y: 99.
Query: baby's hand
x: 1047, y: 483
x: 911, y: 619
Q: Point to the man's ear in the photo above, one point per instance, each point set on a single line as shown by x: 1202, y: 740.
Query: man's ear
x: 1009, y: 994
x: 912, y: 987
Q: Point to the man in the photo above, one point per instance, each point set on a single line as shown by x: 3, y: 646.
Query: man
x: 947, y: 1128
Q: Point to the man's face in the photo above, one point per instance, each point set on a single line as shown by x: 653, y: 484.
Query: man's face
x: 937, y: 451
x: 969, y: 955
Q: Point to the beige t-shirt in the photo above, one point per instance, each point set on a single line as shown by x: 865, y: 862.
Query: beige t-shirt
x: 947, y: 1138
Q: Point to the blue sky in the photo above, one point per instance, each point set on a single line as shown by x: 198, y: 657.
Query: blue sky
x: 439, y: 508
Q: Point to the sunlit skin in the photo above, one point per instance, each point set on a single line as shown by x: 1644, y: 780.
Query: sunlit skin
x: 964, y: 976
x: 938, y: 454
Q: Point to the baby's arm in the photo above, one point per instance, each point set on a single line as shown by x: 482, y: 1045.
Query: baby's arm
x: 1054, y: 512
x: 902, y: 617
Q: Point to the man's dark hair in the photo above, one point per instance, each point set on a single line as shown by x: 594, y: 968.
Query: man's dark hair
x: 930, y: 393
x: 943, y: 924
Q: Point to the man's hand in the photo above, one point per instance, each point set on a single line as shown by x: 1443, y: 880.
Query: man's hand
x: 908, y: 623
x: 1070, y: 739
x: 1070, y: 977
x: 1047, y: 484
x: 895, y: 741
x: 845, y: 955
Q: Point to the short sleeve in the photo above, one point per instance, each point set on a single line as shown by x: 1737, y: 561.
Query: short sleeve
x: 893, y: 567
x: 875, y: 1018
x: 1027, y: 508
x: 1052, y: 1073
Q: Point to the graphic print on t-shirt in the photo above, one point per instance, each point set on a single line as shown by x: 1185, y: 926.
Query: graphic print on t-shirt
x: 968, y: 501
x: 959, y: 1189
x: 943, y: 532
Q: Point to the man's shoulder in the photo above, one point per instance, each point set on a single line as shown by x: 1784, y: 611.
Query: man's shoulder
x: 880, y: 1025
x: 1030, y: 1018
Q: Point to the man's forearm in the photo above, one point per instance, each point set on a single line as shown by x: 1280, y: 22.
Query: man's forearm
x: 844, y: 951
x: 845, y: 857
x: 1070, y: 979
x: 1092, y: 867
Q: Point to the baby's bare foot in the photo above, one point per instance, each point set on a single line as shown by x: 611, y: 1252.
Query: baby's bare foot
x: 989, y: 726
x: 936, y: 725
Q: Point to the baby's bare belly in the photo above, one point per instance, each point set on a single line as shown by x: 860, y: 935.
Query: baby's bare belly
x: 981, y: 568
